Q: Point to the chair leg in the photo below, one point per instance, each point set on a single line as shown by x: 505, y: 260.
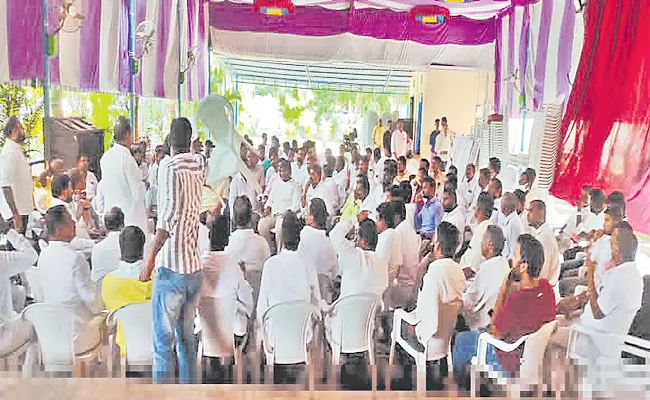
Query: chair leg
x: 421, y: 368
x: 472, y: 381
x: 79, y: 369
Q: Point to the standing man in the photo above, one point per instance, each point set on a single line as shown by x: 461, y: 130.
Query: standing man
x: 175, y: 252
x: 88, y: 176
x: 17, y: 199
x: 433, y: 137
x: 122, y: 178
x: 388, y: 135
x: 399, y: 141
x: 445, y: 141
x: 378, y: 134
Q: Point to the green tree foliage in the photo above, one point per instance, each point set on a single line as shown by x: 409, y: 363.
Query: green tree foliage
x: 27, y: 103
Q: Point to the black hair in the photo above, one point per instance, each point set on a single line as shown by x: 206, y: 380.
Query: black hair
x: 531, y: 175
x: 122, y: 129
x: 407, y: 191
x: 396, y: 193
x: 399, y: 210
x: 75, y: 177
x: 386, y: 213
x: 273, y: 151
x: 485, y: 204
x: 429, y: 180
x: 180, y: 134
x: 617, y: 197
x: 454, y: 168
x: 496, y: 238
x: 328, y: 169
x: 539, y: 205
x: 10, y: 125
x: 290, y: 231
x: 438, y: 160
x: 627, y: 241
x: 60, y: 183
x: 471, y: 166
x: 402, y: 159
x: 242, y: 211
x: 452, y: 194
x: 597, y: 199
x: 453, y: 180
x: 495, y: 164
x: 368, y: 232
x: 448, y: 239
x: 485, y: 173
x: 376, y: 153
x: 532, y: 253
x: 114, y: 219
x: 317, y: 169
x: 219, y: 233
x: 318, y: 211
x: 362, y: 180
x: 498, y: 185
x: 424, y: 160
x: 520, y: 195
x: 132, y: 241
x: 54, y: 218
x: 437, y: 120
x: 615, y: 211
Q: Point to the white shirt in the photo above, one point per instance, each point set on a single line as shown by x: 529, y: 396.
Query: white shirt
x: 247, y: 246
x: 98, y: 202
x: 593, y: 222
x: 239, y: 187
x: 284, y: 196
x: 287, y: 276
x: 13, y: 263
x: 551, y: 269
x: 323, y: 192
x: 224, y: 279
x: 204, y: 239
x: 411, y: 242
x: 272, y: 176
x: 340, y: 178
x: 105, y: 256
x: 511, y: 227
x: 456, y: 218
x: 399, y: 143
x: 123, y: 186
x: 619, y: 299
x: 443, y: 283
x: 389, y: 248
x: 16, y: 174
x: 571, y: 223
x: 362, y: 272
x: 473, y: 256
x: 316, y: 247
x: 91, y: 185
x: 601, y: 254
x: 444, y: 144
x: 333, y: 193
x: 483, y: 292
x: 465, y: 192
x: 65, y: 278
x: 300, y: 174
x: 379, y: 170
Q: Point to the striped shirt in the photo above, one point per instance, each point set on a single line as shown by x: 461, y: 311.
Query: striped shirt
x: 179, y: 207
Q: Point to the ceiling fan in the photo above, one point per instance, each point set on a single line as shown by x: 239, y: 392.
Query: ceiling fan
x: 69, y: 17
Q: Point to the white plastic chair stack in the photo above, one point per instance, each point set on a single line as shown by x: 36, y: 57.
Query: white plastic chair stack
x: 531, y: 362
x: 495, y: 143
x: 217, y: 331
x: 441, y: 339
x: 54, y: 326
x: 548, y: 145
x: 136, y: 323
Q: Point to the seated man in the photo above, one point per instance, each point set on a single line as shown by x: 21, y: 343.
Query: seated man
x: 65, y: 279
x: 122, y: 286
x: 411, y: 242
x: 481, y: 294
x: 610, y: 308
x: 223, y: 278
x: 106, y: 254
x: 15, y: 331
x: 429, y: 212
x: 473, y: 257
x: 389, y: 242
x: 316, y: 188
x: 454, y: 213
x: 543, y: 232
x: 509, y: 223
x: 524, y: 305
x: 359, y: 199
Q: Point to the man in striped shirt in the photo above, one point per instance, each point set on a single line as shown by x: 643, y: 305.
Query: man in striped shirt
x: 176, y: 256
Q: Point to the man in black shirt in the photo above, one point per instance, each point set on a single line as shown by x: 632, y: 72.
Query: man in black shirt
x: 434, y: 136
x: 388, y: 135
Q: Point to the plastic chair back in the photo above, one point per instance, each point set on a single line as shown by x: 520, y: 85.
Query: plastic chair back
x: 438, y: 345
x: 353, y: 321
x: 285, y: 331
x: 136, y: 323
x: 54, y: 326
x: 534, y: 349
x: 217, y: 322
x: 33, y: 279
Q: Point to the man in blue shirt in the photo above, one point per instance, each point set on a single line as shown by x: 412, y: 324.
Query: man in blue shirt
x: 429, y: 210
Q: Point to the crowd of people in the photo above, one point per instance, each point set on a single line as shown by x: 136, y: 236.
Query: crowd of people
x: 314, y: 227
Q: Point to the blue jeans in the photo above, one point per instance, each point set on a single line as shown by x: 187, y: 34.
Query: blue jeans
x: 174, y: 299
x: 466, y: 347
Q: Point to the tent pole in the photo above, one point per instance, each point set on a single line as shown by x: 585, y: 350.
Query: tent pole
x: 132, y: 65
x: 180, y: 74
x: 46, y: 82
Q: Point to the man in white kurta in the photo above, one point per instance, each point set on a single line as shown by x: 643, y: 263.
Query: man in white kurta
x: 123, y: 184
x: 543, y: 232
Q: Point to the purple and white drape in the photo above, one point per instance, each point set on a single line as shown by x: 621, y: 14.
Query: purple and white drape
x: 537, y: 51
x: 96, y: 56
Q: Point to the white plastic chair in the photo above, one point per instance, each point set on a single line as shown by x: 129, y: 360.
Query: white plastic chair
x: 288, y: 324
x: 448, y: 314
x: 531, y: 361
x: 10, y: 360
x: 217, y: 331
x: 136, y: 323
x: 54, y: 326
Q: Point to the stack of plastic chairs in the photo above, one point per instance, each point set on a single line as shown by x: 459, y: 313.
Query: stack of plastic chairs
x: 548, y: 148
x: 495, y: 143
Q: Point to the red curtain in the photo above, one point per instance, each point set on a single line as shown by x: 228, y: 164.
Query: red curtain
x: 604, y: 136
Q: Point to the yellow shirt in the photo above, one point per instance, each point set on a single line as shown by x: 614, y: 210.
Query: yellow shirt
x: 378, y: 135
x: 120, y: 289
x: 350, y: 208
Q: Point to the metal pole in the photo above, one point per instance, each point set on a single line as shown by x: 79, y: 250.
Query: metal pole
x: 132, y: 64
x: 236, y: 101
x: 46, y: 82
x: 209, y: 66
x: 179, y: 33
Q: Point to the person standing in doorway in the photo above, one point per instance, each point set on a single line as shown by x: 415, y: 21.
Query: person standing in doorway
x: 388, y: 135
x: 445, y: 141
x: 175, y: 254
x: 433, y: 137
x: 378, y: 134
x: 399, y: 141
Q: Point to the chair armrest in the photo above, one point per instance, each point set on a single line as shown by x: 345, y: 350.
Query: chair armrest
x: 577, y: 329
x: 486, y: 338
x: 401, y: 315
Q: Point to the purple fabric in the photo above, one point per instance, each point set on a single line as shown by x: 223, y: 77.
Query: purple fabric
x: 140, y: 15
x: 523, y: 53
x: 24, y: 39
x: 202, y: 52
x: 165, y: 13
x: 124, y: 69
x: 381, y: 24
x: 542, y: 51
x: 565, y: 51
x: 497, y: 66
x: 511, y: 61
x: 89, y: 46
x: 52, y: 22
x: 191, y: 19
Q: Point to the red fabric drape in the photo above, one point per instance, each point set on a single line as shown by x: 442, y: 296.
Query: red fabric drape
x: 604, y: 136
